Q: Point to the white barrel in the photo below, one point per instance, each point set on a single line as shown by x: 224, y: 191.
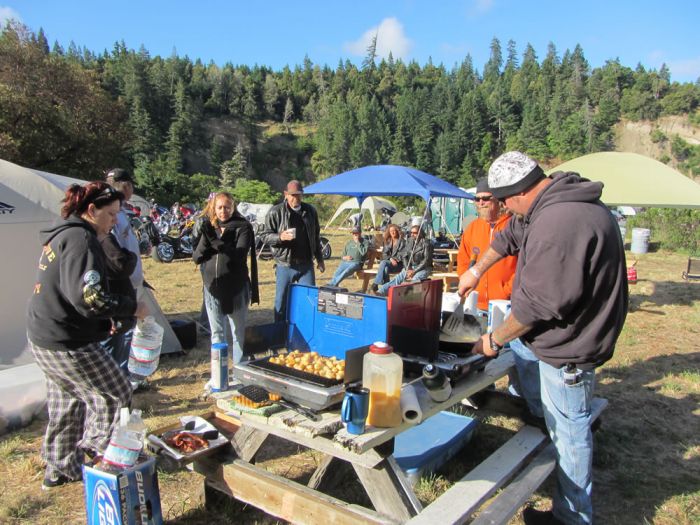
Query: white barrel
x: 640, y: 240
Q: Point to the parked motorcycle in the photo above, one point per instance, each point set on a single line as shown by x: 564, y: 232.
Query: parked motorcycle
x: 173, y: 245
x: 264, y: 251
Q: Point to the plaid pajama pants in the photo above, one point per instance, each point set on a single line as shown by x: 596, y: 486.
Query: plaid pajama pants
x: 86, y: 390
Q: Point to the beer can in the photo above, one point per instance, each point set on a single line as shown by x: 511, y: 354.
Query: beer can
x: 219, y: 367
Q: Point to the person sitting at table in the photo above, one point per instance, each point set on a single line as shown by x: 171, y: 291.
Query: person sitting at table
x: 354, y: 254
x: 417, y: 262
x: 392, y: 255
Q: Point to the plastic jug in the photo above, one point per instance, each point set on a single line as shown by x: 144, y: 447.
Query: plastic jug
x: 126, y: 442
x: 382, y: 373
x: 145, y: 347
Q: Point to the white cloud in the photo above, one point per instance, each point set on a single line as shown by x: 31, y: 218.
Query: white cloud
x: 689, y: 68
x: 390, y: 38
x: 482, y: 6
x: 7, y: 13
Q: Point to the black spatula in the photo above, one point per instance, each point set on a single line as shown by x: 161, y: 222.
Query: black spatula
x: 258, y: 394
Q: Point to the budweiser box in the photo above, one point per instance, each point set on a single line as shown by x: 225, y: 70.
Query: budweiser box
x: 127, y: 497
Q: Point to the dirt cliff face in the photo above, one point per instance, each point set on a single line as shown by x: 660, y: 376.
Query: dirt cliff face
x: 635, y: 137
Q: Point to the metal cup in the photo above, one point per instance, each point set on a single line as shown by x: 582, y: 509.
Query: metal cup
x: 353, y: 411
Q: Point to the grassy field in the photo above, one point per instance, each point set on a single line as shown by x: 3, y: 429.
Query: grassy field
x: 647, y: 455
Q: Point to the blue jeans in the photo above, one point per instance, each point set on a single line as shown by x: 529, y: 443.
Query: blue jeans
x: 286, y: 275
x: 384, y: 269
x: 237, y: 319
x: 401, y: 277
x: 345, y: 268
x: 567, y: 411
x: 525, y: 381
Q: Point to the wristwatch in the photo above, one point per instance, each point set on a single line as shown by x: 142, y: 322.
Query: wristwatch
x: 495, y: 347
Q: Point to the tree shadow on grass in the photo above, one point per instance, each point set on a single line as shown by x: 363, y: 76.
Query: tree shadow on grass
x: 644, y: 449
x: 665, y: 293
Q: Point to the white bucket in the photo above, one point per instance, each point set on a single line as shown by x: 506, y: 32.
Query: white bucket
x: 640, y: 240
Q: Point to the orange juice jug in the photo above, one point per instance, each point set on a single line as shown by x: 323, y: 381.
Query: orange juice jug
x: 382, y: 373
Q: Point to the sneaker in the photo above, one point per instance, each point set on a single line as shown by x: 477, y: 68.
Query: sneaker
x: 375, y: 287
x: 51, y: 483
x: 540, y: 517
x: 138, y: 384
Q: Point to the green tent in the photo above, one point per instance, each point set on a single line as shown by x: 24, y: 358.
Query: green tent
x: 635, y: 180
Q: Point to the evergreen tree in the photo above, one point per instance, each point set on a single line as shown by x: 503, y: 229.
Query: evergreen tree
x: 233, y: 169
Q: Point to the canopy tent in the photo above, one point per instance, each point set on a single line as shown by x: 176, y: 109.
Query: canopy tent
x: 386, y: 180
x: 631, y: 179
x: 29, y: 201
x: 372, y: 205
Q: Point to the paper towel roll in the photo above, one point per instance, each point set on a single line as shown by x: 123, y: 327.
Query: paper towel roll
x: 410, y: 407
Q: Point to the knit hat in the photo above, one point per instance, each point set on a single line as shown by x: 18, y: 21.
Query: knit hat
x: 512, y: 173
x: 482, y: 186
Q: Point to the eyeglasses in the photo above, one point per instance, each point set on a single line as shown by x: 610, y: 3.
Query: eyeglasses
x: 482, y: 199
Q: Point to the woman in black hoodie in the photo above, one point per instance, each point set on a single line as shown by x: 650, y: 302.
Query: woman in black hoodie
x: 69, y: 314
x: 227, y: 240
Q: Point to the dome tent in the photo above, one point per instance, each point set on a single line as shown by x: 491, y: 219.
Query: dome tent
x: 371, y: 205
x: 29, y: 201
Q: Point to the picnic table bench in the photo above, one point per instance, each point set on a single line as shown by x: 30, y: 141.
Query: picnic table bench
x: 528, y: 457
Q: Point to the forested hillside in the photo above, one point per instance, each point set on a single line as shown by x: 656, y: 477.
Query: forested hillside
x: 186, y: 126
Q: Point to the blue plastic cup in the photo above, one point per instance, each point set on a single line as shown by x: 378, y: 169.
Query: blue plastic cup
x: 353, y: 411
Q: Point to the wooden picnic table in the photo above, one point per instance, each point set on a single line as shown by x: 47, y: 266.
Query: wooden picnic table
x: 369, y: 454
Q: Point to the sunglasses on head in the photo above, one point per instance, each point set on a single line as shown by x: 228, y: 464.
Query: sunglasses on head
x: 483, y: 199
x: 105, y: 193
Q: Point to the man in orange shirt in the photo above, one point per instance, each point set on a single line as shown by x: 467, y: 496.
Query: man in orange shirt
x: 497, y: 283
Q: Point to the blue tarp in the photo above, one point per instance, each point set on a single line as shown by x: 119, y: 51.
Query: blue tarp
x: 387, y: 180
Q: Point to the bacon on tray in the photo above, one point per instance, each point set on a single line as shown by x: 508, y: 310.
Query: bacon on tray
x: 186, y: 442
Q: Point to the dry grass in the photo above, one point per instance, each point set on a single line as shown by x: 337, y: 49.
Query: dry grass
x: 647, y: 460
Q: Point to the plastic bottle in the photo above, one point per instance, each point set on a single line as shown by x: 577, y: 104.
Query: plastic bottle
x: 219, y: 367
x: 382, y: 373
x: 436, y: 383
x: 126, y: 442
x: 145, y: 348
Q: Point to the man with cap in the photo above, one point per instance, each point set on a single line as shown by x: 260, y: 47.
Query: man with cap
x: 119, y: 343
x: 293, y: 231
x: 353, y: 256
x: 568, y: 306
x: 497, y: 284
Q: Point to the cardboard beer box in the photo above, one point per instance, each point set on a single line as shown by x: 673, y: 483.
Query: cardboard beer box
x: 126, y: 497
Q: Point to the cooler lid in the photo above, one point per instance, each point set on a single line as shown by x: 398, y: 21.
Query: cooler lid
x: 331, y: 322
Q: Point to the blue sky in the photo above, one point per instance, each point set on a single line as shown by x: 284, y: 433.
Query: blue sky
x: 278, y: 33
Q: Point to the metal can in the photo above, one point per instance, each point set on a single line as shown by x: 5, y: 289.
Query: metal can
x: 219, y: 367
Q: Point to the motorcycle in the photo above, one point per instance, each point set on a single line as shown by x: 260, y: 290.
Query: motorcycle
x: 171, y: 245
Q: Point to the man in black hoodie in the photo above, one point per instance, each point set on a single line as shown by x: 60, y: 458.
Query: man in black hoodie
x: 569, y: 303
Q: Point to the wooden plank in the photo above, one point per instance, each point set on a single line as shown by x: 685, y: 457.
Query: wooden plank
x: 326, y: 474
x: 368, y: 459
x: 387, y: 490
x: 475, y: 382
x: 457, y: 503
x: 247, y: 441
x: 520, y: 489
x: 283, y: 498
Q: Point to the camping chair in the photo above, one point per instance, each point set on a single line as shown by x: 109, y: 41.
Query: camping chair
x: 692, y: 273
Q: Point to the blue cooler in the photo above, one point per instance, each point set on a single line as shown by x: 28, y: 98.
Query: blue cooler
x: 426, y: 447
x: 129, y: 497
